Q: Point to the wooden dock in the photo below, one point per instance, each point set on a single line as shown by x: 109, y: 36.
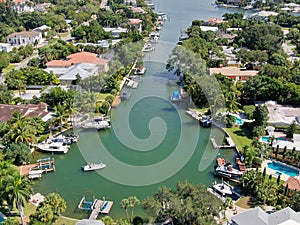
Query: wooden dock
x: 100, y: 206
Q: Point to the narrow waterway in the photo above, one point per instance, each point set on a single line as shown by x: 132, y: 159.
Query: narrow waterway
x: 152, y: 142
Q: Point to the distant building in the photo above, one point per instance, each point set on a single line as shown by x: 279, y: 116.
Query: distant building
x: 24, y: 38
x: 215, y: 20
x: 233, y: 72
x: 130, y: 2
x: 138, y: 10
x: 29, y: 110
x: 257, y: 216
x: 42, y: 29
x: 293, y: 183
x: 42, y: 7
x: 115, y: 32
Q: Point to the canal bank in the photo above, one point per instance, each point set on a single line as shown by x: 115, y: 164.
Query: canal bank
x: 149, y: 137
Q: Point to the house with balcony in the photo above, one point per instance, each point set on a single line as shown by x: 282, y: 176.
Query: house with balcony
x: 24, y: 38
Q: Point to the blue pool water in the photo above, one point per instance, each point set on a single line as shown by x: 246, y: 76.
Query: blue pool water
x: 2, y: 218
x: 282, y: 168
x: 238, y: 120
x: 266, y: 139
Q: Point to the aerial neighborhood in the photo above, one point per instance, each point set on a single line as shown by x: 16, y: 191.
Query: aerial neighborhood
x: 98, y: 126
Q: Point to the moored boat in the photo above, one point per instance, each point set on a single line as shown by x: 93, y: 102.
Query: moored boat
x: 222, y: 188
x: 53, y: 147
x: 93, y: 166
x: 228, y: 171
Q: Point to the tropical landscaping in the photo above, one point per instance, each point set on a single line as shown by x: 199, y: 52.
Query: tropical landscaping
x: 256, y: 42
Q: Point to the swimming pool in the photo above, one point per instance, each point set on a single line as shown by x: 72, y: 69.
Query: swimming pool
x: 283, y: 168
x: 2, y: 217
x: 266, y: 139
x: 238, y: 120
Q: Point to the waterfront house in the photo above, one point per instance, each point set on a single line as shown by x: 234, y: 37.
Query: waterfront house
x: 24, y: 38
x: 84, y: 70
x: 78, y: 58
x: 42, y: 7
x: 115, y: 31
x: 138, y: 10
x: 130, y: 2
x: 5, y: 47
x: 258, y: 216
x: 137, y: 23
x: 233, y: 72
x: 29, y: 110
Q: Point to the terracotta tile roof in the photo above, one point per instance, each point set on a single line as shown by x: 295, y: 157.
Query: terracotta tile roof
x: 77, y: 58
x: 232, y: 71
x: 29, y: 110
x: 24, y: 34
x: 138, y: 10
x: 294, y: 183
x: 135, y: 21
x: 215, y: 20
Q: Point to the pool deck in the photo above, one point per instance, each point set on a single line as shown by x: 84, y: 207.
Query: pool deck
x: 283, y: 176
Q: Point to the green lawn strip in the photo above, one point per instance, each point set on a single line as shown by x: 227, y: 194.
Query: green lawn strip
x: 65, y: 221
x: 9, y: 68
x: 240, y: 136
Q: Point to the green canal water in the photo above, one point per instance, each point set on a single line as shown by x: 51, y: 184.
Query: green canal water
x: 152, y: 142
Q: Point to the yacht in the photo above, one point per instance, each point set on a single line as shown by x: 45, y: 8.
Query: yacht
x: 100, y: 125
x: 93, y: 166
x: 55, y: 147
x: 222, y: 188
x: 228, y: 171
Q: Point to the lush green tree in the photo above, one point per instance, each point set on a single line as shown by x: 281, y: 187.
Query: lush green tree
x: 188, y: 204
x: 277, y: 60
x: 249, y: 110
x: 125, y: 205
x: 295, y: 201
x: 4, y: 60
x: 132, y: 202
x: 18, y: 153
x: 57, y: 96
x: 6, y: 95
x: 292, y: 129
x: 17, y: 190
x: 260, y: 115
x: 266, y: 37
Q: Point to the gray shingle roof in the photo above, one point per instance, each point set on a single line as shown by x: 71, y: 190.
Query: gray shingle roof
x: 258, y: 216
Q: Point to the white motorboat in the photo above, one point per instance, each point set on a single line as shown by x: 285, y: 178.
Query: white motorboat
x: 93, y: 166
x: 222, y: 188
x: 55, y: 147
x: 228, y: 171
x: 100, y: 125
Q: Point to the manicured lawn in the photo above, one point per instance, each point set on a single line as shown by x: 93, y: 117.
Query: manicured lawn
x: 240, y: 136
x: 243, y: 202
x: 102, y: 96
x: 65, y: 221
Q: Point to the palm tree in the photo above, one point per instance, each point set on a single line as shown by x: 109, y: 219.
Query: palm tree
x: 17, y: 191
x: 56, y: 202
x: 62, y: 113
x: 133, y: 200
x: 125, y: 204
x: 231, y: 102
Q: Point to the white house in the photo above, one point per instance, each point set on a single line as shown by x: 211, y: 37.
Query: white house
x: 5, y: 47
x: 24, y: 38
